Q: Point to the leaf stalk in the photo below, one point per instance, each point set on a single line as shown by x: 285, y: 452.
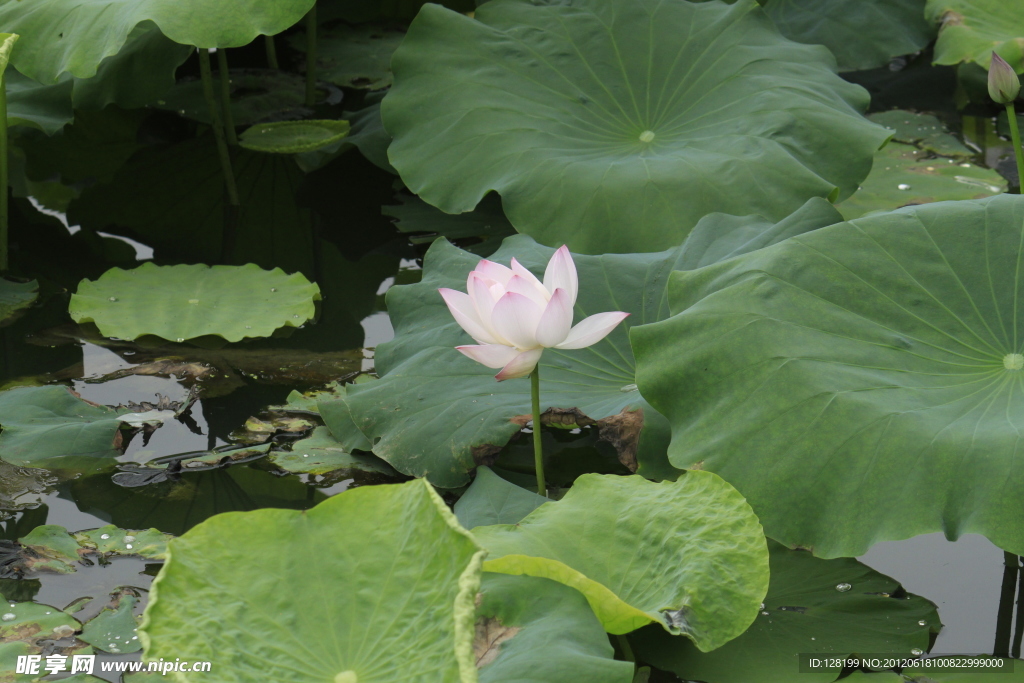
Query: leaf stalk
x: 1011, y: 113
x: 205, y: 73
x: 538, y: 450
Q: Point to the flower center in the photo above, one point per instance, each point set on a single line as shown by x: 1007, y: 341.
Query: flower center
x: 1013, y: 361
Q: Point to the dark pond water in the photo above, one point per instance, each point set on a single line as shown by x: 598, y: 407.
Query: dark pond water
x: 367, y: 255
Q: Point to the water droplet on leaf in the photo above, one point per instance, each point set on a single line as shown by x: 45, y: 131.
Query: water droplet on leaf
x: 917, y: 652
x: 104, y: 536
x: 903, y: 186
x: 10, y: 616
x: 843, y: 587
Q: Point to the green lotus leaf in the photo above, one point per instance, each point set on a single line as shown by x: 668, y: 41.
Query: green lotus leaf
x: 46, y: 107
x: 354, y: 56
x: 493, y: 500
x: 424, y: 380
x: 171, y: 197
x: 374, y: 10
x: 486, y: 223
x: 688, y: 554
x: 74, y: 36
x: 256, y: 95
x: 387, y: 590
x: 184, y: 302
x: 15, y: 296
x: 590, y: 117
x: 862, y: 34
x: 367, y: 134
x: 52, y: 549
x: 533, y: 630
x: 50, y: 426
x: 804, y: 612
x: 820, y: 374
x: 971, y: 30
x: 33, y: 621
x: 141, y: 72
x: 320, y: 453
x: 111, y: 540
x: 293, y: 137
x: 114, y: 627
x: 905, y: 175
x: 922, y: 130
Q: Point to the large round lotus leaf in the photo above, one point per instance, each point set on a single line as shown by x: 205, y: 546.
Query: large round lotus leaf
x: 74, y: 36
x: 859, y: 383
x: 383, y: 591
x: 862, y: 34
x: 804, y: 613
x: 533, y: 630
x: 615, y: 125
x: 48, y: 426
x: 188, y: 301
x: 688, y: 554
x: 905, y: 175
x: 438, y: 414
x: 970, y: 30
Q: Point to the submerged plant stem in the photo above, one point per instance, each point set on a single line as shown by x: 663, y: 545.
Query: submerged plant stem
x: 538, y: 450
x: 1011, y: 114
x: 311, y: 57
x: 225, y: 96
x: 218, y: 125
x: 3, y: 173
x: 271, y: 52
x: 1004, y: 617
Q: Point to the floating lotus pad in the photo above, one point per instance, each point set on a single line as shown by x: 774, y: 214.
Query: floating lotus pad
x: 601, y: 114
x: 113, y: 629
x: 49, y: 426
x: 385, y: 581
x: 188, y: 301
x: 293, y: 137
x: 688, y: 555
x: 858, y: 383
x: 354, y: 56
x: 424, y: 380
x: 922, y: 130
x: 905, y: 175
x: 74, y: 36
x: 320, y: 453
x: 970, y: 30
x: 834, y: 607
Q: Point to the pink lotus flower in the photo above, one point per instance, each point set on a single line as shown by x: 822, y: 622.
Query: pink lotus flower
x: 514, y: 316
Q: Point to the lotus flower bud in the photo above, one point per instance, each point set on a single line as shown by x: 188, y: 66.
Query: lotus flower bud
x: 1003, y: 83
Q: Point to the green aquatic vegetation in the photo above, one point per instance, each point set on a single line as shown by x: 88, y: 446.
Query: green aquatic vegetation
x: 423, y: 380
x: 51, y: 427
x: 400, y: 605
x: 612, y: 113
x: 256, y: 95
x: 924, y: 131
x: 233, y: 302
x: 493, y: 500
x: 904, y: 175
x: 837, y: 607
x: 16, y: 296
x: 114, y: 628
x: 885, y: 351
x: 969, y: 30
x: 320, y: 453
x: 355, y: 56
x: 293, y: 137
x: 688, y: 555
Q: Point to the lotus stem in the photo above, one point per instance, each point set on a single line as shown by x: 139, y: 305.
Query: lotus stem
x: 3, y: 174
x: 225, y: 96
x: 1004, y: 617
x: 218, y: 125
x: 1018, y: 630
x: 627, y: 649
x: 538, y: 450
x: 311, y: 57
x: 271, y: 52
x: 1011, y: 113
